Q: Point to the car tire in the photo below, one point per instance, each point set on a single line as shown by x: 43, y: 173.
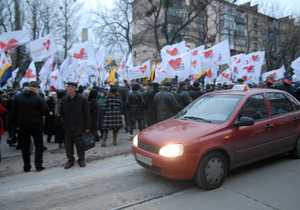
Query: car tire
x: 212, y: 171
x: 296, y: 152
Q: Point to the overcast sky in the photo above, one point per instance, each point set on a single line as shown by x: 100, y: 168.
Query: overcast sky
x: 285, y: 7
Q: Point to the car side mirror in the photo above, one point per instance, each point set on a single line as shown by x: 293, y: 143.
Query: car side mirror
x: 244, y: 121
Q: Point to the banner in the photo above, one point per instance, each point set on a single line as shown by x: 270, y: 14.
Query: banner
x: 42, y: 48
x: 13, y: 39
x: 139, y: 72
x: 274, y: 75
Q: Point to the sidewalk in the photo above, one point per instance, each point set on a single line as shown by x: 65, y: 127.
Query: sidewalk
x: 12, y: 160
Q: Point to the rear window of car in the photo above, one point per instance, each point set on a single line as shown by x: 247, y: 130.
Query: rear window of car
x: 280, y: 104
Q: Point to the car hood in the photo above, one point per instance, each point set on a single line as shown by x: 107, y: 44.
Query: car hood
x: 175, y: 131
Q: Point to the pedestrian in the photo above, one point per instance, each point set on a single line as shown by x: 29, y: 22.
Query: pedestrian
x: 75, y: 115
x: 101, y: 101
x: 59, y: 130
x: 2, y: 112
x: 94, y: 113
x: 183, y: 94
x: 135, y: 105
x: 165, y: 104
x: 50, y: 117
x: 149, y: 104
x: 112, y: 119
x: 29, y: 108
x: 195, y: 90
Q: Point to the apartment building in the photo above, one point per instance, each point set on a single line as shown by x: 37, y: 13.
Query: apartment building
x: 246, y: 28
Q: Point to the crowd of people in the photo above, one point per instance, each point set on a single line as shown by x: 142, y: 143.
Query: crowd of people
x: 28, y: 115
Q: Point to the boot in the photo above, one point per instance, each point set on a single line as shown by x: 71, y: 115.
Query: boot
x: 105, y: 134
x: 69, y: 164
x: 81, y: 163
x: 115, y: 138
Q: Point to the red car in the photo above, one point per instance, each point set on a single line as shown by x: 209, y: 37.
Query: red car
x: 218, y: 132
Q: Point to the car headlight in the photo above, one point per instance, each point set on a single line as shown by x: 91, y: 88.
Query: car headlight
x: 171, y: 150
x: 135, y: 141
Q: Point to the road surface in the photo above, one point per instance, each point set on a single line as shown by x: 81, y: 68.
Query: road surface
x: 119, y: 183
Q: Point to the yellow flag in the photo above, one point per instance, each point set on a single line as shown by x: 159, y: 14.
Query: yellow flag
x: 4, y: 64
x: 112, y: 76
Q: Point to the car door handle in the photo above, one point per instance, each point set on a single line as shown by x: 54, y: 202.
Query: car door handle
x: 269, y: 126
x: 296, y: 118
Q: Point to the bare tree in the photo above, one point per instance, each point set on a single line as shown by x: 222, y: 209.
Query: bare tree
x: 68, y: 18
x: 114, y: 26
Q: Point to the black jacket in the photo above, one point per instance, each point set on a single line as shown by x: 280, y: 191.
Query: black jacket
x: 75, y: 114
x: 165, y: 105
x: 28, y: 109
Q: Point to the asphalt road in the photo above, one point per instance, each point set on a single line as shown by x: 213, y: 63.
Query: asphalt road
x: 119, y: 183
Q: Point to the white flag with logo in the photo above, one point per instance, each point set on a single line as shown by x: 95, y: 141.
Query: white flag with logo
x: 174, y: 50
x: 30, y: 74
x: 225, y: 77
x: 84, y: 53
x: 179, y: 66
x: 46, y: 69
x: 196, y: 60
x: 274, y: 75
x: 219, y: 54
x: 42, y: 48
x: 13, y: 39
x: 138, y: 72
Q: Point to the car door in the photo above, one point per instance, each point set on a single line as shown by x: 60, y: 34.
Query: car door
x: 285, y: 120
x: 250, y: 141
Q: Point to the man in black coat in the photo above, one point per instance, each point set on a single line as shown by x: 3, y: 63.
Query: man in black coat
x: 183, y: 95
x: 165, y: 104
x: 75, y: 115
x: 28, y: 111
x: 135, y: 104
x: 149, y: 104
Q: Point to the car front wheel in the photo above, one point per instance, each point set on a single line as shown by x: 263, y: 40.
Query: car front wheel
x: 212, y: 171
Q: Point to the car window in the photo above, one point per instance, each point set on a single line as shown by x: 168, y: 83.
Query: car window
x: 211, y: 108
x: 255, y: 108
x: 279, y: 103
x: 294, y: 102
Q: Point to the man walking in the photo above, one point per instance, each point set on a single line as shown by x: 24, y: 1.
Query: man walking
x: 28, y: 111
x: 75, y: 115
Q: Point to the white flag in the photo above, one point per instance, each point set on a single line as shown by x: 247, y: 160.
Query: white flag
x: 174, y: 50
x: 219, y: 54
x: 138, y: 72
x: 84, y: 53
x: 196, y: 59
x: 296, y: 66
x: 225, y: 77
x: 30, y: 74
x: 274, y: 75
x: 13, y: 39
x: 179, y: 66
x: 42, y: 48
x: 46, y: 69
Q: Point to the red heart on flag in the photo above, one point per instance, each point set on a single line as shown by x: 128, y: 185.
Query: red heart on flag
x: 172, y: 52
x: 2, y: 45
x: 47, y: 44
x: 54, y: 77
x: 249, y: 68
x: 195, y: 53
x: 225, y: 75
x: 29, y: 74
x: 80, y: 55
x: 143, y: 68
x: 175, y: 63
x: 255, y: 57
x: 208, y: 54
x: 12, y: 43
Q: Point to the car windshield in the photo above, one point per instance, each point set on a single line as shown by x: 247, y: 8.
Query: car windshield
x: 211, y: 108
